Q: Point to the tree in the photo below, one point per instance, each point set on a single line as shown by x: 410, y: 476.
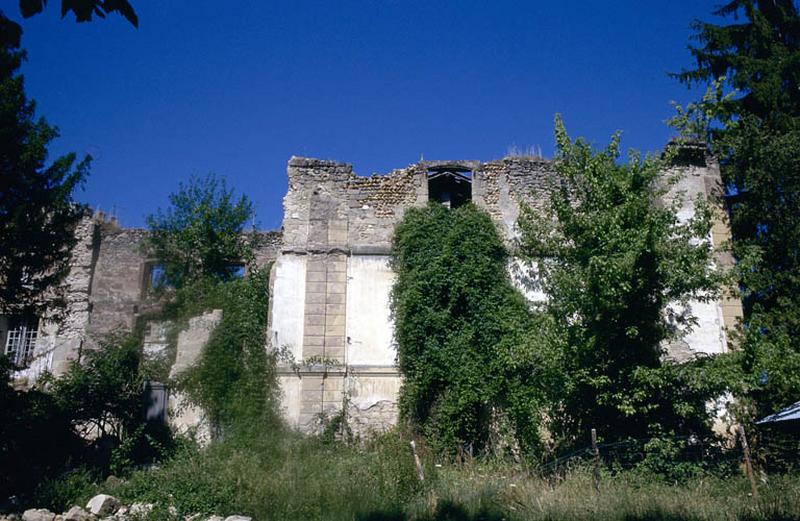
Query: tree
x: 37, y: 212
x: 103, y: 393
x: 611, y: 260
x: 83, y: 10
x: 201, y: 234
x: 760, y: 57
x: 469, y: 369
x: 755, y: 132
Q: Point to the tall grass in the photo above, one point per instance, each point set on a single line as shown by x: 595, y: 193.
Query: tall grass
x: 292, y: 477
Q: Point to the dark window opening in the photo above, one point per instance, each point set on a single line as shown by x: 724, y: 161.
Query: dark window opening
x: 690, y: 153
x: 450, y: 185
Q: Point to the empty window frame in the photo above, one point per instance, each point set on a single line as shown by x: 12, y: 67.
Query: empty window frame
x: 155, y: 277
x: 19, y: 337
x: 450, y: 185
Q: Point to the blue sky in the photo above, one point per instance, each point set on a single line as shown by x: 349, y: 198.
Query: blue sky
x: 238, y: 87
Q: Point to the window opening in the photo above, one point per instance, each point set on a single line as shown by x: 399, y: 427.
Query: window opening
x: 236, y: 270
x: 20, y: 340
x: 450, y: 185
x: 155, y: 277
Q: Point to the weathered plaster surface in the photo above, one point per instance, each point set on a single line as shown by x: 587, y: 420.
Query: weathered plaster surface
x: 369, y: 329
x: 287, y: 300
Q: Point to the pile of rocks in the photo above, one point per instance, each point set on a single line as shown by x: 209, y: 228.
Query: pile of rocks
x: 108, y: 508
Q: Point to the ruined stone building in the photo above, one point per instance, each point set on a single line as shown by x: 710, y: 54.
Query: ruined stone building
x: 331, y: 280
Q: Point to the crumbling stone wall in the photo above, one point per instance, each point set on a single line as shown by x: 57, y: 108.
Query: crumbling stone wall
x: 331, y: 279
x: 337, y: 234
x: 693, y: 179
x: 107, y: 289
x: 62, y: 332
x: 331, y: 282
x: 118, y: 285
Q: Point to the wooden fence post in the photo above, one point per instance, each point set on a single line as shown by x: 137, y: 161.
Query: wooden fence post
x: 596, y: 451
x: 748, y: 465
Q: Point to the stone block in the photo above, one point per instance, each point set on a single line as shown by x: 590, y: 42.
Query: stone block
x: 333, y: 319
x: 334, y: 341
x: 313, y: 351
x: 336, y: 276
x: 316, y: 287
x: 315, y: 298
x: 334, y: 330
x: 314, y: 330
x: 317, y: 235
x: 335, y: 287
x: 316, y: 276
x: 314, y: 341
x: 332, y: 395
x: 314, y: 320
x: 103, y: 505
x: 336, y: 266
x: 76, y: 513
x: 38, y: 514
x: 335, y: 298
x: 337, y: 236
x: 335, y: 309
x: 316, y: 264
x: 334, y: 382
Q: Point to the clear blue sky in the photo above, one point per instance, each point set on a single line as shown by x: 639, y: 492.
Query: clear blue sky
x: 238, y: 87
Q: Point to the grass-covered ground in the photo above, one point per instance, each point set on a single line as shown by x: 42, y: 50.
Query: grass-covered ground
x: 295, y: 478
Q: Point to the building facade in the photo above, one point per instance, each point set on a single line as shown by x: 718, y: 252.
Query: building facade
x: 331, y: 279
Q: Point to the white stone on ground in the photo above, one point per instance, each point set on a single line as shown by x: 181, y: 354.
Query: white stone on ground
x: 103, y: 504
x: 76, y: 513
x: 38, y: 514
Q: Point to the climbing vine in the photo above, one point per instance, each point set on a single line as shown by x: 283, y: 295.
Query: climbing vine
x: 471, y: 372
x: 234, y: 380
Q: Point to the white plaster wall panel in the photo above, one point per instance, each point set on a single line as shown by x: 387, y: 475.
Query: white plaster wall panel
x: 288, y: 304
x: 689, y: 188
x: 367, y: 390
x: 290, y: 398
x: 193, y: 339
x: 369, y: 326
x: 707, y: 335
x: 523, y: 274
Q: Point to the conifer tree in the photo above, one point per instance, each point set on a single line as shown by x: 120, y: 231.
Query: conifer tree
x: 37, y: 213
x: 758, y: 145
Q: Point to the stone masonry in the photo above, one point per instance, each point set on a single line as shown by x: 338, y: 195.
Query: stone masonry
x: 331, y: 278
